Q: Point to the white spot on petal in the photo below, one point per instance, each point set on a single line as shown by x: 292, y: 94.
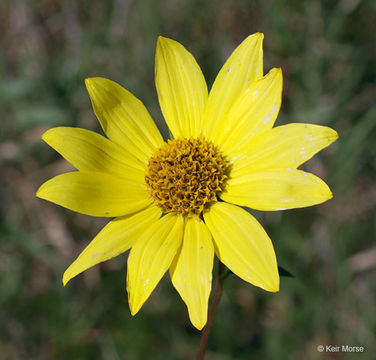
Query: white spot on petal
x: 287, y: 200
x: 271, y: 113
x: 268, y: 118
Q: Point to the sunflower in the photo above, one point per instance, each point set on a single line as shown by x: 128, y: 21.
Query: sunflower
x: 177, y: 203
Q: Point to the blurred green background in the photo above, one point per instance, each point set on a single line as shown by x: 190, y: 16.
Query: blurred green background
x: 327, y: 51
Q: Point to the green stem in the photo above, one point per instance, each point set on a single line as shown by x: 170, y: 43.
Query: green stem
x: 213, y: 307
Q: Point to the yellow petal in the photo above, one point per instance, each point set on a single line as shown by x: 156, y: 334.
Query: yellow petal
x: 253, y: 113
x: 243, y: 245
x: 89, y: 151
x: 115, y: 238
x: 181, y: 87
x: 191, y: 272
x: 286, y: 146
x: 150, y: 258
x: 242, y: 68
x: 124, y: 118
x: 95, y: 194
x: 276, y: 189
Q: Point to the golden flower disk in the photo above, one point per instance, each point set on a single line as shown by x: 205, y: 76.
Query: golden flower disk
x: 186, y: 174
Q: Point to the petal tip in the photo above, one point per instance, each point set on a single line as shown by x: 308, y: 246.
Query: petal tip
x: 254, y: 40
x: 162, y: 41
x: 134, y: 310
x: 258, y: 35
x: 273, y: 286
x: 334, y: 135
x: 165, y: 43
x: 43, y: 190
x: 161, y: 38
x: 326, y: 192
x: 39, y: 192
x: 91, y: 81
x: 88, y: 81
x: 46, y: 135
x: 273, y: 281
x: 199, y: 325
x: 131, y: 295
x: 274, y: 76
x: 275, y: 72
x: 68, y: 275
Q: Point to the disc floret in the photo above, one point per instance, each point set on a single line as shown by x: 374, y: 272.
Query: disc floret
x: 186, y: 174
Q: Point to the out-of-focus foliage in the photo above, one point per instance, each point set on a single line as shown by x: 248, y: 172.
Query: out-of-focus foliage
x: 327, y: 50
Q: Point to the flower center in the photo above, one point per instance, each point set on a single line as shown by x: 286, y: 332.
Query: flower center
x: 185, y: 174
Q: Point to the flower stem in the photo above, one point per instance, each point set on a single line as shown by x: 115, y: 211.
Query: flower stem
x: 213, y: 307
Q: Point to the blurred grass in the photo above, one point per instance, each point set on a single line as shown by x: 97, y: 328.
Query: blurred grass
x: 327, y: 51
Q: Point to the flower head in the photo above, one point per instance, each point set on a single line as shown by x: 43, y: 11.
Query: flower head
x: 165, y: 195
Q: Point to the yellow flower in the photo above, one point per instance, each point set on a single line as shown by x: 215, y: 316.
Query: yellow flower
x: 224, y: 147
